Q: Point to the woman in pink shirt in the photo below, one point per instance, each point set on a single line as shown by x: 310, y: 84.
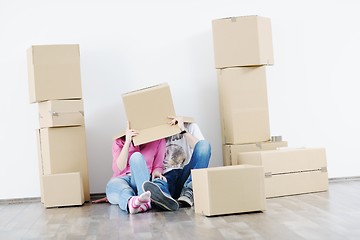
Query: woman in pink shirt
x: 132, y: 166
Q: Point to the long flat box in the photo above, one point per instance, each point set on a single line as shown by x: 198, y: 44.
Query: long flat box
x: 229, y: 189
x: 230, y: 152
x: 54, y: 72
x: 63, y: 150
x: 244, y: 105
x: 147, y: 110
x: 63, y: 189
x: 242, y: 41
x: 61, y: 113
x: 290, y: 171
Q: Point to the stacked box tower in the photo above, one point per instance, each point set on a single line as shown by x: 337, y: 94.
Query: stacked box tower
x: 55, y: 85
x: 243, y: 49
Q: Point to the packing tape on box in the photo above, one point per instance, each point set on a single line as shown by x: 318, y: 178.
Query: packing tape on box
x: 56, y: 114
x: 276, y: 138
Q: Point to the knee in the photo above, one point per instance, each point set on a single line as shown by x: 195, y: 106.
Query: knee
x: 203, y: 147
x: 136, y: 158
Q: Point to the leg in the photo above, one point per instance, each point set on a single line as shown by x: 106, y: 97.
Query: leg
x: 118, y: 191
x: 160, y: 194
x: 199, y: 159
x: 172, y: 178
x: 139, y: 171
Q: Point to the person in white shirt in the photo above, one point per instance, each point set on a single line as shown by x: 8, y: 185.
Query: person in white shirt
x: 184, y: 151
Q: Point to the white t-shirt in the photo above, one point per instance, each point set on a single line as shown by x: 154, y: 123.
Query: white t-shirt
x: 178, y: 151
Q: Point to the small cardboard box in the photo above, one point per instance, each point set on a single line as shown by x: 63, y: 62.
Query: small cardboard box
x: 242, y: 41
x: 54, y: 72
x: 63, y: 189
x: 147, y: 110
x: 230, y: 152
x: 229, y: 189
x: 60, y: 113
x: 290, y: 171
x: 244, y: 105
x: 63, y: 150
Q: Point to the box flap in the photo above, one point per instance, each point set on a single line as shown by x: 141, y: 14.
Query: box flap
x: 150, y: 132
x: 155, y: 133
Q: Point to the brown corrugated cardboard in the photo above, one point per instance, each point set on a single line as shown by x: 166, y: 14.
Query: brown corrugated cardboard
x: 244, y: 105
x: 230, y: 152
x: 41, y: 169
x: 147, y: 111
x: 59, y: 113
x: 242, y: 41
x: 63, y: 150
x: 229, y: 189
x: 290, y: 171
x: 54, y: 72
x: 63, y: 189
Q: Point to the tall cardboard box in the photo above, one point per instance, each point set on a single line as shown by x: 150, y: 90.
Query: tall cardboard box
x: 290, y: 171
x: 63, y: 150
x: 242, y: 41
x: 63, y: 189
x: 60, y: 113
x: 243, y: 105
x: 230, y: 152
x: 229, y: 189
x: 147, y: 110
x: 54, y: 72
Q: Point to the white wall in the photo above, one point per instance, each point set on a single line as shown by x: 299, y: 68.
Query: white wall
x: 313, y: 86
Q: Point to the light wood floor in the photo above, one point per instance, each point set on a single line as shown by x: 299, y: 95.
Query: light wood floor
x: 327, y: 215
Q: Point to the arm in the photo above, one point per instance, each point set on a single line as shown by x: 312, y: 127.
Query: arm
x: 191, y: 140
x: 158, y: 165
x: 122, y: 159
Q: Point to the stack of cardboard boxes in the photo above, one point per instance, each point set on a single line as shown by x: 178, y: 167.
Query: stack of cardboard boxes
x: 242, y: 50
x: 55, y: 84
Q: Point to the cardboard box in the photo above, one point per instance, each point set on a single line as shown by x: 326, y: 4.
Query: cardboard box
x: 242, y: 41
x: 41, y: 168
x: 227, y: 190
x: 147, y: 110
x: 63, y: 150
x: 63, y: 189
x: 290, y: 171
x: 54, y: 72
x: 60, y: 113
x: 243, y: 105
x: 230, y: 152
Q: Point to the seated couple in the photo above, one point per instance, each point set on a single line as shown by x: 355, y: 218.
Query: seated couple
x: 159, y: 172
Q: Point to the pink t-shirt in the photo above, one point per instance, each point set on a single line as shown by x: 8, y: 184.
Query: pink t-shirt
x: 153, y: 152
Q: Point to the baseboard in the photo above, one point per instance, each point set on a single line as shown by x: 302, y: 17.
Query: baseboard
x: 19, y: 200
x: 344, y: 179
x: 38, y: 199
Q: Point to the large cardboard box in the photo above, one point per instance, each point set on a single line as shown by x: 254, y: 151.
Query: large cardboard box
x: 229, y: 189
x: 147, y: 111
x: 60, y: 113
x: 290, y: 171
x: 243, y: 105
x: 242, y: 41
x: 63, y: 150
x: 63, y: 189
x: 230, y: 152
x: 54, y: 72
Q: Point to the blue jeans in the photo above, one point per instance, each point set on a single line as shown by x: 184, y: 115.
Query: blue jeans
x: 120, y: 189
x: 179, y: 178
